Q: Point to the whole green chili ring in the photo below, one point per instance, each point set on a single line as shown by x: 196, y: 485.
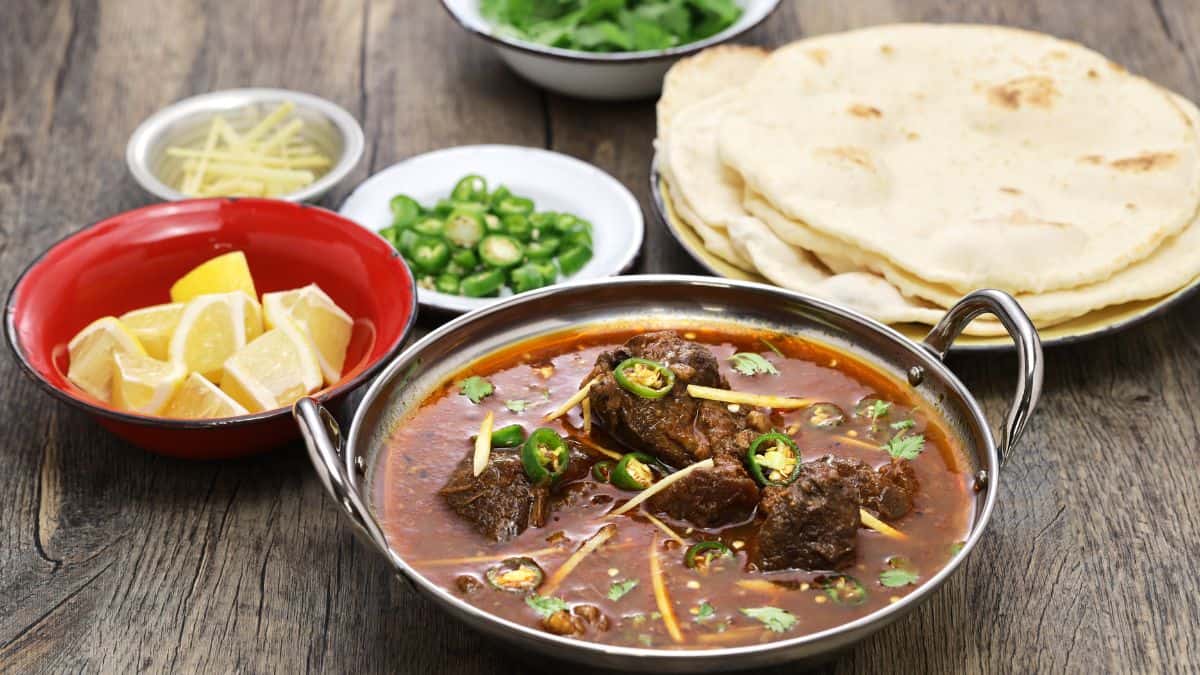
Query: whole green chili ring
x: 761, y: 472
x: 472, y: 188
x: 703, y: 553
x: 405, y: 210
x: 482, y: 284
x: 542, y: 249
x: 465, y: 258
x: 517, y: 226
x: 665, y: 376
x: 514, y: 206
x: 501, y: 251
x: 602, y: 470
x: 508, y: 437
x: 447, y: 282
x: 430, y: 227
x: 406, y: 240
x: 844, y: 589
x: 544, y: 456
x: 464, y: 228
x: 430, y: 254
x: 526, y: 278
x: 633, y: 472
x: 498, y: 195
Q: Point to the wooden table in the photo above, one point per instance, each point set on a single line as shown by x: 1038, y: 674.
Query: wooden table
x: 112, y: 559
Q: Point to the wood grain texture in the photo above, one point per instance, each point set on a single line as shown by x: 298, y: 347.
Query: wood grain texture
x: 113, y: 560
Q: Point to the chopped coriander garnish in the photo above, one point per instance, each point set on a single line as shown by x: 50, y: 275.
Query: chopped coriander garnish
x: 903, y: 425
x: 748, y: 363
x: 776, y: 620
x: 877, y: 409
x: 620, y: 588
x: 905, y: 447
x: 957, y: 547
x: 475, y: 388
x: 704, y: 612
x: 895, y: 578
x: 545, y: 605
x: 517, y: 405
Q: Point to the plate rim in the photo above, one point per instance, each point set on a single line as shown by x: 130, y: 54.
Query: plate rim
x: 461, y: 304
x: 964, y: 344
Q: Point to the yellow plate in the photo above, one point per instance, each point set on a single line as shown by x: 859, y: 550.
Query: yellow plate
x: 1092, y: 325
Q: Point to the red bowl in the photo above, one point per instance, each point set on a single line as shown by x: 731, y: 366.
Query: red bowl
x: 130, y: 261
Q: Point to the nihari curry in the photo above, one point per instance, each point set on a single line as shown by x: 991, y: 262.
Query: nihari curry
x: 690, y: 488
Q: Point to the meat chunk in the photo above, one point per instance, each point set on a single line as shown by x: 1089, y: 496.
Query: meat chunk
x: 810, y: 524
x: 677, y: 428
x: 722, y: 495
x: 500, y: 502
x: 887, y: 492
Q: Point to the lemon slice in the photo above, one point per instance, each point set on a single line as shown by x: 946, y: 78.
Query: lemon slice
x: 142, y: 384
x: 223, y: 274
x: 273, y: 371
x: 211, y: 328
x: 198, y: 398
x: 319, y: 318
x: 91, y: 352
x: 153, y: 326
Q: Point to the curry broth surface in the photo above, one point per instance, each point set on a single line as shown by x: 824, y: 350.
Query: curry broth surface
x: 425, y: 447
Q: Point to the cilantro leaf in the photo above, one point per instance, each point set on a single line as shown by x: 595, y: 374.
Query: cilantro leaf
x: 545, y: 605
x: 704, y: 612
x: 475, y: 388
x: 878, y: 408
x: 517, y: 405
x: 905, y: 447
x: 620, y: 588
x: 776, y: 620
x: 748, y: 363
x: 895, y: 578
x: 903, y: 425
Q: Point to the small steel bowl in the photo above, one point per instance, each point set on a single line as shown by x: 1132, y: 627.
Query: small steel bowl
x: 326, y: 125
x: 346, y: 462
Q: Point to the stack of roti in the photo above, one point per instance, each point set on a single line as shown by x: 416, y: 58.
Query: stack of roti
x: 896, y: 168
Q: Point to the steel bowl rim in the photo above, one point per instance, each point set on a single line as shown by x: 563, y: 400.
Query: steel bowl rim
x: 612, y: 58
x: 17, y: 348
x: 353, y: 141
x: 989, y: 459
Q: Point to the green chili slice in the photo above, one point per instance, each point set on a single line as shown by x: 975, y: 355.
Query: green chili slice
x: 825, y: 416
x: 406, y: 240
x: 844, y: 589
x: 633, y: 472
x: 430, y: 254
x: 447, y: 282
x: 508, y: 437
x: 646, y: 378
x: 517, y: 226
x: 514, y: 206
x: 526, y: 278
x: 472, y: 188
x: 515, y: 575
x: 482, y: 284
x: 543, y: 248
x: 701, y: 555
x: 545, y: 456
x: 465, y: 258
x: 602, y: 471
x: 774, y: 459
x: 498, y: 195
x: 464, y: 228
x: 405, y: 210
x: 573, y: 259
x: 499, y: 250
x: 431, y: 227
x: 543, y: 219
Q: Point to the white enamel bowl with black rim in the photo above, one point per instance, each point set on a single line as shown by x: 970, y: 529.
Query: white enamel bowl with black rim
x: 613, y: 76
x: 346, y: 462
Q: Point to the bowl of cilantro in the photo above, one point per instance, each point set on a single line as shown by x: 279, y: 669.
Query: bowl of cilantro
x: 604, y: 49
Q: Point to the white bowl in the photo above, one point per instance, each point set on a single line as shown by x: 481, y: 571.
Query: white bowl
x: 327, y: 126
x: 602, y: 76
x: 555, y: 182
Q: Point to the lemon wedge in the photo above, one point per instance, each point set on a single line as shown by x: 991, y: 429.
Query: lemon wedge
x: 272, y: 371
x: 326, y: 326
x: 153, y: 326
x: 143, y: 385
x: 211, y: 328
x: 91, y: 352
x: 223, y: 274
x: 197, y: 398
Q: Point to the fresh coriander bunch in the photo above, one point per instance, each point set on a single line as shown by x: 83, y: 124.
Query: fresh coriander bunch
x: 611, y: 25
